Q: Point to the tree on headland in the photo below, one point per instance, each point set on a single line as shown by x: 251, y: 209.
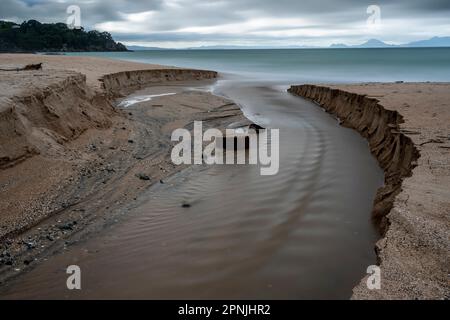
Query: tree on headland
x: 31, y: 36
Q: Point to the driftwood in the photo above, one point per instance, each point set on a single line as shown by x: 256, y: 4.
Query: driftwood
x: 37, y: 66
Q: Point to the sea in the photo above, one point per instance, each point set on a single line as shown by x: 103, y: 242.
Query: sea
x: 307, y: 65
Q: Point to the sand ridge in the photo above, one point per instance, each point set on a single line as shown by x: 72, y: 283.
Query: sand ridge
x: 92, y: 67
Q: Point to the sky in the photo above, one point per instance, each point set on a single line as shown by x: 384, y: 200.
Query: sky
x: 277, y: 23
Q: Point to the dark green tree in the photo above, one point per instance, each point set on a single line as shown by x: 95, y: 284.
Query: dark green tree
x: 31, y: 36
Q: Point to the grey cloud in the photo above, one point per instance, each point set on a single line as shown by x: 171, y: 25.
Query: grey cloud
x: 173, y: 15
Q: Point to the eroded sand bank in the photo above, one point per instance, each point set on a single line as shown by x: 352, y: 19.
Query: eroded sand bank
x: 65, y: 148
x: 408, y: 129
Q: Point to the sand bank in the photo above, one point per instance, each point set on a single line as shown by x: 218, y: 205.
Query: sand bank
x: 70, y: 158
x: 93, y: 68
x: 408, y: 129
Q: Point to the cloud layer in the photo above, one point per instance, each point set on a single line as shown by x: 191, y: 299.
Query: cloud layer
x: 182, y: 23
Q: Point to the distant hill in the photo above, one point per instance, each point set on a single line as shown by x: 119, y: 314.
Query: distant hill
x: 141, y: 48
x: 433, y: 42
x: 374, y: 43
x: 32, y: 36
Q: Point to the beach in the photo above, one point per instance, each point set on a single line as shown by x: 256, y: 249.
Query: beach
x: 70, y: 159
x: 408, y: 131
x: 63, y: 141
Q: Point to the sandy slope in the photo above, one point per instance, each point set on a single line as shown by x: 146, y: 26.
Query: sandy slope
x: 402, y: 121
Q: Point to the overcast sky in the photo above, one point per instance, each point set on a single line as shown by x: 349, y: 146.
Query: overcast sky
x: 187, y: 23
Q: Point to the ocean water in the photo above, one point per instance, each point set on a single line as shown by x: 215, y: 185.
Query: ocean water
x: 307, y: 65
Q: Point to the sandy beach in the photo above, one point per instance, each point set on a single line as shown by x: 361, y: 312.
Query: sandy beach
x: 70, y: 160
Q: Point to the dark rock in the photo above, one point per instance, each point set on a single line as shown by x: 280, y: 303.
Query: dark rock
x: 131, y: 141
x: 30, y: 245
x: 66, y: 226
x: 185, y: 205
x: 143, y: 176
x: 161, y: 181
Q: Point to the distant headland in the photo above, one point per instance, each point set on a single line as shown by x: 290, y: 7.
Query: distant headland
x: 33, y: 36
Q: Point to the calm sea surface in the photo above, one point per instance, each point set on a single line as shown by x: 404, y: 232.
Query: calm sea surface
x: 312, y: 65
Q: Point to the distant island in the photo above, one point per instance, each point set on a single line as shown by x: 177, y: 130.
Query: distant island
x: 33, y: 36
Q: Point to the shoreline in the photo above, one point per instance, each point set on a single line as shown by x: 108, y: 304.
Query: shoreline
x: 406, y: 139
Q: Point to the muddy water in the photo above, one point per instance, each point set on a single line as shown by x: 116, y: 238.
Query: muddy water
x: 303, y: 233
